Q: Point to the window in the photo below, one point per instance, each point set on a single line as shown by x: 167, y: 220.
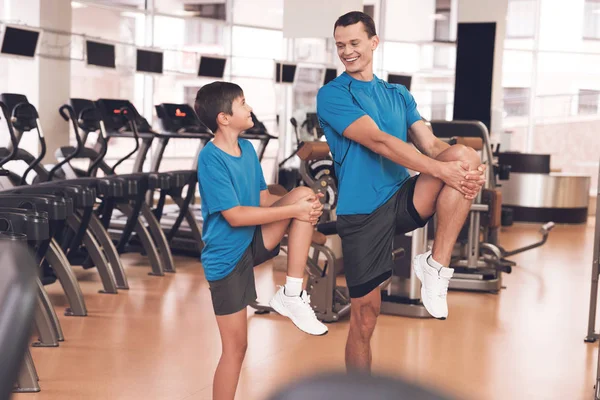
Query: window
x: 439, y: 104
x: 442, y: 25
x: 516, y: 102
x: 588, y: 102
x: 591, y: 20
x: 520, y: 19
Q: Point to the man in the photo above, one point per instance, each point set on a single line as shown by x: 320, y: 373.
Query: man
x: 366, y: 122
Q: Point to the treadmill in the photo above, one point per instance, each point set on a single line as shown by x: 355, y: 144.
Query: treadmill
x: 183, y: 225
x: 183, y: 180
x: 79, y: 235
x: 134, y: 218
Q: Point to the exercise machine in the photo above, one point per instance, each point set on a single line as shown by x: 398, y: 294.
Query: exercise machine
x: 24, y: 118
x: 17, y: 309
x: 592, y: 336
x: 183, y: 225
x: 136, y: 216
x: 478, y: 259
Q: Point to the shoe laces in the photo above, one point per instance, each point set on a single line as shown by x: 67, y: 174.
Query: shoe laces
x: 443, y: 287
x: 304, y: 304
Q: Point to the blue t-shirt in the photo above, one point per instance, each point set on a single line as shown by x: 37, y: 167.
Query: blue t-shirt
x: 225, y: 182
x: 366, y: 180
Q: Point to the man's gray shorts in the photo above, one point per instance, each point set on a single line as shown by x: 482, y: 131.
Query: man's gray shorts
x: 237, y: 290
x: 367, y: 239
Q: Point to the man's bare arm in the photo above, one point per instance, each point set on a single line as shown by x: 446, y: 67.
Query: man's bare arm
x: 424, y: 140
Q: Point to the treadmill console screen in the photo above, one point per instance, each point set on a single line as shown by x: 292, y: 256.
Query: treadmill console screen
x: 178, y: 116
x: 111, y: 114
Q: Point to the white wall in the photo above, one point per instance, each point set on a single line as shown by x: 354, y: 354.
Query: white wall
x: 409, y: 20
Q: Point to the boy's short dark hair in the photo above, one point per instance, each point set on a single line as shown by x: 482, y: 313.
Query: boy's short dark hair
x: 213, y: 99
x: 354, y: 17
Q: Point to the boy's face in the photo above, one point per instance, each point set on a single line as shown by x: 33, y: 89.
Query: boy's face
x: 354, y: 47
x: 240, y: 118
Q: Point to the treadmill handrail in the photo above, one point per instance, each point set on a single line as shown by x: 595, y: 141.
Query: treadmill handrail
x: 70, y: 115
x: 127, y: 113
x: 13, y: 137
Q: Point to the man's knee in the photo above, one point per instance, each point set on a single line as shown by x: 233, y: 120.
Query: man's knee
x: 364, y: 318
x: 460, y: 152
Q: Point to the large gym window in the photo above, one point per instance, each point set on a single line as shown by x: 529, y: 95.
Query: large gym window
x: 591, y: 20
x: 588, y: 102
x: 516, y: 101
x: 520, y: 19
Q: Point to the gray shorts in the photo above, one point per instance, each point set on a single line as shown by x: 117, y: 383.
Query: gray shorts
x: 237, y: 290
x: 367, y: 239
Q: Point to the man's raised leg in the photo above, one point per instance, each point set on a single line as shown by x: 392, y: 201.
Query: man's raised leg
x: 363, y: 318
x: 452, y: 208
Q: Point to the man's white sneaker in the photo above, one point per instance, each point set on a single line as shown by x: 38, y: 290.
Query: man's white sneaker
x: 434, y: 287
x: 298, y: 309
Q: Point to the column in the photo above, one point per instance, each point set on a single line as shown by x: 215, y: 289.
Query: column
x: 54, y: 78
x: 490, y: 11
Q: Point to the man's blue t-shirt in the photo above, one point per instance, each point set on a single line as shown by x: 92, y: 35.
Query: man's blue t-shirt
x: 366, y: 180
x: 225, y: 182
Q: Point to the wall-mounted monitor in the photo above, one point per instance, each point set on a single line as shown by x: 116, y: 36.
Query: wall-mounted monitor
x: 149, y: 61
x: 285, y: 73
x: 213, y: 67
x: 20, y: 41
x: 330, y: 74
x: 100, y: 54
x: 400, y: 79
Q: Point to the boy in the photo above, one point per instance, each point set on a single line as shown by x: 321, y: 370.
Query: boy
x: 243, y: 226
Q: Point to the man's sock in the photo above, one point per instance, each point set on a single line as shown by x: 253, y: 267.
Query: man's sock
x: 293, y: 286
x: 434, y: 264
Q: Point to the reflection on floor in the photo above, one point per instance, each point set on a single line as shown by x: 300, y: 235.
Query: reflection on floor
x: 159, y: 340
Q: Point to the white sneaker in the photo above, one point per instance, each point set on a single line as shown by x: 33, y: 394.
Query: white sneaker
x: 434, y: 287
x: 298, y: 309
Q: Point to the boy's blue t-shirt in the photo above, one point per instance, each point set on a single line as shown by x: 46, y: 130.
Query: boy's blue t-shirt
x: 225, y: 182
x: 366, y: 180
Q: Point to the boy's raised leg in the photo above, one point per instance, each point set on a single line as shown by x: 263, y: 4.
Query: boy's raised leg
x: 291, y: 301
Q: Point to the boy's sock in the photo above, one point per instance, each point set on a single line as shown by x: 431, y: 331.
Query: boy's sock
x: 293, y: 286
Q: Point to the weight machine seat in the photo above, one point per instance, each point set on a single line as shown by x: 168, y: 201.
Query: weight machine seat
x: 473, y: 142
x: 313, y: 151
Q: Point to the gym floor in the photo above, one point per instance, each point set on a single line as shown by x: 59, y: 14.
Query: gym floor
x: 159, y: 340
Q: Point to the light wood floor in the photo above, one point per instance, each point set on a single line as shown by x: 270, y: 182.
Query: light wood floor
x: 159, y: 340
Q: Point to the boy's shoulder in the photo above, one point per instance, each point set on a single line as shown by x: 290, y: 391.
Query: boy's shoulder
x: 211, y: 154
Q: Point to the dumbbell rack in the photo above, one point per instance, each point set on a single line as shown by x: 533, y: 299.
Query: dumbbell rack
x: 592, y: 336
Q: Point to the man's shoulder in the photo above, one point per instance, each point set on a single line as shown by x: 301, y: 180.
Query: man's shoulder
x: 334, y: 88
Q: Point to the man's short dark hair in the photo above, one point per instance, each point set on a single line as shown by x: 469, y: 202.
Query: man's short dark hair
x: 213, y: 99
x: 354, y: 17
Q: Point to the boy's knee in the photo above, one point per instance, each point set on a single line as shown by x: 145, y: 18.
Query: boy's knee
x: 302, y: 191
x: 236, y: 350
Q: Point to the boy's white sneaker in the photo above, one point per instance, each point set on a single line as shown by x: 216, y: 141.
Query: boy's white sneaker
x: 298, y: 309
